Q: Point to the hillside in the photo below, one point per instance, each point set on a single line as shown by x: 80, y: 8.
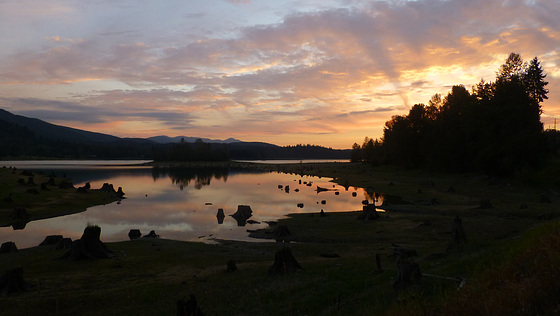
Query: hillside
x: 25, y: 138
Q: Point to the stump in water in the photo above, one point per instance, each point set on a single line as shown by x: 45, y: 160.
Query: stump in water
x: 189, y: 307
x: 12, y: 282
x: 284, y: 263
x: 243, y: 213
x: 89, y: 246
x: 220, y: 216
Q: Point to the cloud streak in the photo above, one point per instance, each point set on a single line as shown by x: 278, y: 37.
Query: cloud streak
x: 313, y: 72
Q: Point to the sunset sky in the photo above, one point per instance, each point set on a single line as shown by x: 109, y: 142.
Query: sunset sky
x: 322, y: 72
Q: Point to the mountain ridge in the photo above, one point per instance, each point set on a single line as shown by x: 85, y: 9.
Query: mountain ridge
x: 26, y: 137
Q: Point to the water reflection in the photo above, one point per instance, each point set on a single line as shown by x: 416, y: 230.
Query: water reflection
x: 185, y: 204
x: 183, y: 176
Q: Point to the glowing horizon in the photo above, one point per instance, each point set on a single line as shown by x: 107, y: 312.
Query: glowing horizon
x: 328, y: 73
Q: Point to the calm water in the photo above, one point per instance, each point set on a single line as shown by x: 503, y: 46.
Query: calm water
x: 182, y: 203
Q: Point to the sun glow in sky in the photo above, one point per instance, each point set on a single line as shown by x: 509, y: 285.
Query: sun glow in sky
x: 285, y: 72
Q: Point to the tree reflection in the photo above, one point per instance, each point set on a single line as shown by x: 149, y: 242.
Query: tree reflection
x: 183, y: 176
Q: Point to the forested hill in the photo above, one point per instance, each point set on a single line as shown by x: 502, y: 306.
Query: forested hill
x: 23, y: 137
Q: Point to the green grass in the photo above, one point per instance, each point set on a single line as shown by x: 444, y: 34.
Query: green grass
x: 43, y: 203
x: 510, y: 259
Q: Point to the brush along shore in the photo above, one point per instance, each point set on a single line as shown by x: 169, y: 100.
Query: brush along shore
x: 348, y: 266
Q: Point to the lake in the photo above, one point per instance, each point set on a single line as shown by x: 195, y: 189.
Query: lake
x: 181, y: 203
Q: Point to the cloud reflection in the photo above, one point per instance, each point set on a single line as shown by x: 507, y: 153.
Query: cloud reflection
x: 157, y: 203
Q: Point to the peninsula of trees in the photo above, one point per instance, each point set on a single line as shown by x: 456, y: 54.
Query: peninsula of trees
x: 495, y: 128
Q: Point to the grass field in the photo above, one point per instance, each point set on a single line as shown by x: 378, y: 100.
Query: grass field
x: 509, y: 260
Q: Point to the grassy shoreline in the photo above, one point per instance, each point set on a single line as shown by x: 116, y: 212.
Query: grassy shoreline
x: 338, y: 254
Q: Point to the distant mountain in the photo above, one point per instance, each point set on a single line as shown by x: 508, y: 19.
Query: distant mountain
x: 177, y: 139
x: 22, y: 137
x: 56, y: 132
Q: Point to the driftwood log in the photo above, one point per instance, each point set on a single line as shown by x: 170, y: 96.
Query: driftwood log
x: 284, y: 263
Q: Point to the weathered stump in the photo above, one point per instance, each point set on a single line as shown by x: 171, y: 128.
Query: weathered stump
x: 89, y: 246
x: 284, y: 263
x: 458, y: 233
x: 189, y: 307
x: 12, y: 282
x: 282, y: 234
x: 134, y: 234
x: 64, y: 243
x: 408, y: 271
x: 20, y: 214
x: 231, y: 266
x: 8, y: 247
x: 369, y: 213
x: 152, y: 234
x: 51, y: 240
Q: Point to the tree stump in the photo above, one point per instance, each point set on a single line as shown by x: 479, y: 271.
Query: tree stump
x: 369, y: 213
x: 231, y: 266
x: 64, y: 243
x: 134, y: 234
x: 152, y: 234
x: 89, y: 246
x: 282, y: 234
x: 189, y: 307
x: 243, y: 213
x: 284, y: 263
x: 51, y: 240
x: 458, y: 233
x: 8, y: 247
x: 12, y: 282
x: 220, y: 216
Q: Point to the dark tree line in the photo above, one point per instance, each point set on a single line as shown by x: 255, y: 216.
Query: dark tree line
x: 495, y: 128
x: 184, y: 151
